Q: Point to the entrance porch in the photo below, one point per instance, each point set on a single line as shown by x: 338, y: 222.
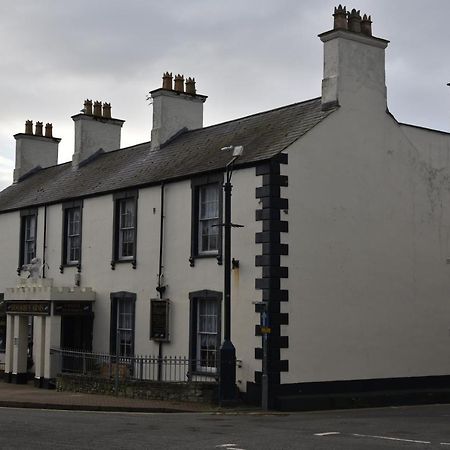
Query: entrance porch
x: 62, y: 316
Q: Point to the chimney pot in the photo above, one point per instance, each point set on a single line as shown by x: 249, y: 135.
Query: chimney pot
x: 190, y: 86
x: 354, y: 21
x: 179, y: 83
x: 107, y: 110
x: 167, y: 81
x: 29, y: 127
x: 366, y: 25
x: 97, y: 109
x: 38, y: 129
x: 340, y: 18
x: 48, y: 130
x: 88, y: 107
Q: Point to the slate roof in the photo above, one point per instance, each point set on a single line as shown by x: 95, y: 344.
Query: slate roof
x: 263, y: 135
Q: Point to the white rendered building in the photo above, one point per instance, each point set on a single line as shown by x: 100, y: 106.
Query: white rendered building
x: 346, y: 236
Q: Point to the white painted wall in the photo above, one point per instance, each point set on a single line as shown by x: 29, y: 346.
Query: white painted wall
x: 97, y: 236
x: 369, y: 229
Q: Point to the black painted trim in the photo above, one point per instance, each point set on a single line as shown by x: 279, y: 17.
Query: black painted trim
x: 357, y: 393
x: 196, y: 183
x: 19, y: 378
x: 269, y: 195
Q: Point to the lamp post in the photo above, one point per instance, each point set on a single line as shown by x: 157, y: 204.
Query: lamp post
x: 227, y: 354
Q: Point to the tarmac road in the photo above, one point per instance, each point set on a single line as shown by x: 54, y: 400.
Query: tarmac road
x: 414, y: 427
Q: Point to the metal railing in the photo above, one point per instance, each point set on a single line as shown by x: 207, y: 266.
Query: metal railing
x: 144, y: 368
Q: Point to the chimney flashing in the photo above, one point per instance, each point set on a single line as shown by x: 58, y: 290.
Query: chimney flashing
x: 161, y: 91
x: 82, y: 116
x: 36, y: 138
x: 358, y: 37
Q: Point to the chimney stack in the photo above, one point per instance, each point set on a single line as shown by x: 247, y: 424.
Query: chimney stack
x: 167, y: 81
x: 38, y: 129
x: 340, y: 18
x: 175, y: 109
x: 35, y: 150
x: 354, y: 63
x: 94, y: 130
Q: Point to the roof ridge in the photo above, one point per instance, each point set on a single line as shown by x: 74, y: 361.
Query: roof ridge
x: 255, y: 114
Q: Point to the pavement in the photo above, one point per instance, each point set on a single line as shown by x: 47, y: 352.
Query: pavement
x: 28, y: 396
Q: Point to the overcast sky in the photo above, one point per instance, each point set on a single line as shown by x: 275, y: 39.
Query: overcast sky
x: 247, y: 56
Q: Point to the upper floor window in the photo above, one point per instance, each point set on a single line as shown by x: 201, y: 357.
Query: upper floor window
x: 208, y: 219
x: 71, y: 246
x: 206, y: 230
x: 125, y: 227
x: 28, y: 229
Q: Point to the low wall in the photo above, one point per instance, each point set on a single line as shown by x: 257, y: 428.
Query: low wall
x: 150, y: 390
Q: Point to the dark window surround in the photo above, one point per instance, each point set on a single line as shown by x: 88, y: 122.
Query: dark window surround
x: 65, y: 207
x: 133, y: 194
x: 23, y: 214
x: 196, y: 183
x: 115, y: 297
x: 205, y: 294
x: 2, y: 323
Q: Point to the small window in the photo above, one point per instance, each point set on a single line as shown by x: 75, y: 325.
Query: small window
x: 28, y: 228
x: 206, y: 237
x: 125, y: 222
x: 71, y: 245
x: 122, y: 323
x: 205, y: 330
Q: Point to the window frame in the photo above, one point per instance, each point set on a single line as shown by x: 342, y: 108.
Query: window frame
x: 195, y: 299
x: 196, y: 185
x: 25, y: 214
x: 118, y: 199
x: 129, y: 299
x: 66, y: 208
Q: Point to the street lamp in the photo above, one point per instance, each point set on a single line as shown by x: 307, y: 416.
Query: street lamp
x: 227, y: 353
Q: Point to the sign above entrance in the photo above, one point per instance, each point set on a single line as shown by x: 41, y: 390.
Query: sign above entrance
x: 72, y: 308
x: 30, y: 308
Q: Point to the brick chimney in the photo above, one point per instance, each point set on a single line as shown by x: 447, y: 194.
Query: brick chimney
x: 33, y: 150
x: 175, y: 107
x: 354, y: 62
x: 95, y: 129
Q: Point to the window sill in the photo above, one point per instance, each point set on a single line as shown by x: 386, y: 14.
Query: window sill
x: 204, y: 373
x: 131, y: 261
x: 216, y: 255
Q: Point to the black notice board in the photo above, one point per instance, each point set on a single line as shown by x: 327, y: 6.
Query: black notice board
x: 159, y: 319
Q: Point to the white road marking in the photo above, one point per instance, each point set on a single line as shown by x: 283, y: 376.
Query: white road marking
x: 445, y: 443
x: 226, y: 445
x: 391, y: 438
x: 328, y: 433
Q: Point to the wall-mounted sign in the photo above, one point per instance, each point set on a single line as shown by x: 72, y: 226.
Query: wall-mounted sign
x: 72, y: 308
x: 31, y: 308
x: 159, y: 319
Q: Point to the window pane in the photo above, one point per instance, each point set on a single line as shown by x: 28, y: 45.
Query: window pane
x: 73, y: 238
x: 207, y: 333
x: 127, y: 223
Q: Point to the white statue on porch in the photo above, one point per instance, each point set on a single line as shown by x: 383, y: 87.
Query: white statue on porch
x: 34, y: 269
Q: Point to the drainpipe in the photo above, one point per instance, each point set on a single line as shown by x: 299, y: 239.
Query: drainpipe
x: 161, y: 288
x: 44, y: 250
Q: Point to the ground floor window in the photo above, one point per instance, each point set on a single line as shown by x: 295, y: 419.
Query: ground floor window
x: 122, y: 324
x: 205, y: 330
x: 2, y: 325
